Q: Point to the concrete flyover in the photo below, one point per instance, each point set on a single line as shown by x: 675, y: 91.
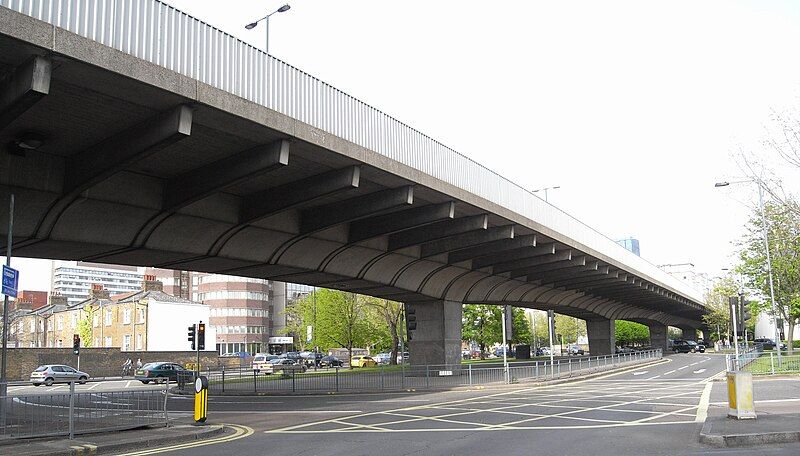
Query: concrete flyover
x: 147, y: 137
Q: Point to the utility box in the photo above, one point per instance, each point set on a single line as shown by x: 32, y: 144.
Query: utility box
x: 523, y: 352
x: 740, y: 395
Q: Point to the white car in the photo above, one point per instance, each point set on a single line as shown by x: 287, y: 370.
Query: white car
x: 263, y: 363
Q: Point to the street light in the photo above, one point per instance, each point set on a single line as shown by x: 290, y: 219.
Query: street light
x: 252, y: 25
x: 766, y: 247
x: 545, y: 190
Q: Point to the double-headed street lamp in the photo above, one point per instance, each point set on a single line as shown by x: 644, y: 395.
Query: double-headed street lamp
x: 252, y: 25
x: 545, y: 190
x: 766, y: 247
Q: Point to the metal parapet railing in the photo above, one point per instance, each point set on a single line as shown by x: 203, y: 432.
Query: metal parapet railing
x: 71, y: 412
x: 403, y: 377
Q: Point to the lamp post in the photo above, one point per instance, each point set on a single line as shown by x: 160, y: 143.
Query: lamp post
x: 252, y: 25
x: 769, y: 260
x: 545, y: 189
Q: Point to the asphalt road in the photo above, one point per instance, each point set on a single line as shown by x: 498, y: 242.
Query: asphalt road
x: 656, y: 409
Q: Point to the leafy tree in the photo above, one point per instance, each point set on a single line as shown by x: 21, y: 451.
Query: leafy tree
x: 783, y: 227
x: 718, y: 317
x: 631, y: 333
x: 480, y: 323
x: 85, y: 326
x: 570, y: 328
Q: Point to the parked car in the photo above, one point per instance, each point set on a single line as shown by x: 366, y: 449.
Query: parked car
x: 160, y: 371
x: 402, y: 358
x: 57, y: 373
x: 330, y: 361
x: 291, y: 355
x: 768, y: 344
x: 687, y: 346
x: 288, y: 365
x: 383, y: 358
x: 624, y: 350
x: 574, y: 350
x: 543, y: 351
x: 241, y: 355
x: 362, y: 361
x: 262, y: 363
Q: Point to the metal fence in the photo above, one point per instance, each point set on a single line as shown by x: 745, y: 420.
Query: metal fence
x: 747, y: 354
x: 81, y: 412
x: 767, y: 363
x: 399, y: 378
x: 161, y: 34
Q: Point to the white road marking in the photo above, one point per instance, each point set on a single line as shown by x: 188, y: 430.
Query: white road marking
x: 681, y: 368
x: 702, y: 408
x: 93, y: 386
x: 128, y: 385
x: 670, y: 372
x: 640, y: 373
x: 699, y: 371
x: 293, y: 412
x: 654, y: 377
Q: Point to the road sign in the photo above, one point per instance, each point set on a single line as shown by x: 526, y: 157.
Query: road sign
x: 10, y: 281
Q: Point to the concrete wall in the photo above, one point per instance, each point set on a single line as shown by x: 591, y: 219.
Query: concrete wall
x: 100, y: 362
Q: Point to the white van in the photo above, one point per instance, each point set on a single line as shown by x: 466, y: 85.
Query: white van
x: 261, y: 363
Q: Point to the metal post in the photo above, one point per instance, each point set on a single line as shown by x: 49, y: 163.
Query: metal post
x: 469, y: 368
x: 769, y: 271
x: 772, y: 363
x: 550, y: 330
x: 427, y: 376
x: 337, y: 379
x: 266, y: 26
x: 294, y: 373
x: 735, y: 338
x: 223, y: 378
x: 71, y: 410
x: 381, y: 375
x: 166, y: 398
x: 505, y: 347
x: 3, y: 385
x: 255, y: 388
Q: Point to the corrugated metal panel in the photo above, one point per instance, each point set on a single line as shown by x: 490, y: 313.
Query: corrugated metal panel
x: 159, y: 33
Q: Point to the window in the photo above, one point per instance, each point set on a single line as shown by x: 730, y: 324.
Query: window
x: 96, y: 321
x: 41, y: 325
x: 108, y: 342
x: 141, y: 315
x: 33, y: 326
x: 126, y: 317
x: 126, y: 343
x: 138, y: 341
x: 74, y: 320
x: 96, y: 341
x: 59, y: 323
x: 33, y: 345
x: 108, y: 317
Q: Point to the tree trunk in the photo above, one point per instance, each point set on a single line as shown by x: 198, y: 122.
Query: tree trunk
x: 395, y: 342
x: 350, y: 355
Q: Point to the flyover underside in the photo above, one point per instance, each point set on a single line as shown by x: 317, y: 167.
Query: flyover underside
x: 141, y: 166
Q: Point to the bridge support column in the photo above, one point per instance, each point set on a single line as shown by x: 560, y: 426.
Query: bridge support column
x: 602, y: 340
x: 689, y: 333
x: 437, y: 338
x: 658, y: 336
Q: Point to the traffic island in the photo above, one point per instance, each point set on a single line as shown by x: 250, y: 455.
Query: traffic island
x: 114, y: 442
x: 721, y: 431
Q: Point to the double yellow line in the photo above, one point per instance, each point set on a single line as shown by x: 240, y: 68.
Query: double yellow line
x: 239, y: 432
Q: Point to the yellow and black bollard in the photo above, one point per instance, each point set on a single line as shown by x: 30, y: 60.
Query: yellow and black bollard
x: 201, y: 399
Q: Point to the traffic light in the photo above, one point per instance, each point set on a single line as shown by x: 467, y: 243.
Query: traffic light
x: 192, y: 335
x: 76, y: 344
x: 201, y: 336
x: 411, y: 321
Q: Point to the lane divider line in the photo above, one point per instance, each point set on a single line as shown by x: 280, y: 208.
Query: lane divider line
x: 702, y: 408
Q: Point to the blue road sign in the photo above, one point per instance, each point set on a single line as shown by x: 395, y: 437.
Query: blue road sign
x: 10, y: 281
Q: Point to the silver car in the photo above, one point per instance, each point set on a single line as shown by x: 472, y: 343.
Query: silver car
x: 57, y: 373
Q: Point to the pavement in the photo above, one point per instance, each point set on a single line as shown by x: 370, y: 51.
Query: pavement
x: 138, y: 441
x: 777, y: 404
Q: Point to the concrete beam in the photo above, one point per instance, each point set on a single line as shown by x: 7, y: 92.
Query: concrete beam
x: 535, y: 272
x: 298, y: 193
x: 466, y: 240
x: 504, y: 245
x: 394, y: 222
x: 545, y: 254
x: 322, y: 217
x: 199, y: 183
x: 437, y: 231
x: 437, y: 339
x: 23, y: 87
x: 116, y: 153
x: 514, y: 255
x: 588, y: 279
x: 601, y: 335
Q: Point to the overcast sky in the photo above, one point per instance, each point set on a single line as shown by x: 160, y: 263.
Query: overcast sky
x: 634, y: 108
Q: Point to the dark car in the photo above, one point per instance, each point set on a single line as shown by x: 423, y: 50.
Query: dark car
x: 161, y: 372
x: 687, y: 346
x: 330, y: 361
x: 768, y: 344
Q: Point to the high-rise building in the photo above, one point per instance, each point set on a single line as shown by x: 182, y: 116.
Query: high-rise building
x: 630, y: 244
x: 686, y: 273
x: 74, y: 279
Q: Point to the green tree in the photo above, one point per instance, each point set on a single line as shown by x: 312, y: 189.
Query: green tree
x: 85, y: 326
x: 570, y: 328
x: 391, y: 312
x: 480, y: 323
x: 522, y: 330
x: 783, y: 228
x: 718, y: 316
x: 630, y: 333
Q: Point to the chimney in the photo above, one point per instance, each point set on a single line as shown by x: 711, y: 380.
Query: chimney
x: 56, y: 299
x: 98, y: 292
x: 151, y: 284
x: 23, y: 304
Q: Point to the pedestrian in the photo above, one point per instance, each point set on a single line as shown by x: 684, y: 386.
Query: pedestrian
x: 139, y: 363
x: 126, y: 368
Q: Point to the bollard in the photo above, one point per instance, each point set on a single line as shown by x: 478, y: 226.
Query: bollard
x: 740, y: 395
x: 201, y: 399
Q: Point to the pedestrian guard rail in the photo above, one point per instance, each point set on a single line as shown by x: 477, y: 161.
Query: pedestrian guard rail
x: 747, y: 354
x: 69, y: 410
x: 407, y: 377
